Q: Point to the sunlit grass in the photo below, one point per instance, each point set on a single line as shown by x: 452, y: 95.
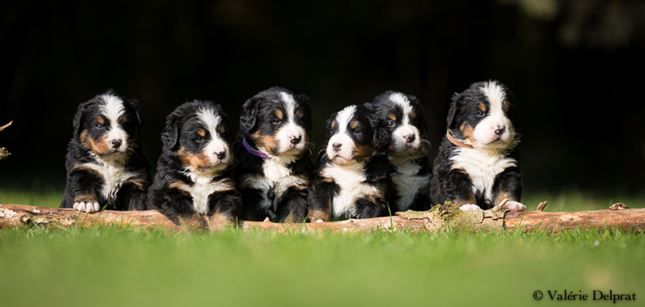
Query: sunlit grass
x: 117, y: 266
x: 111, y: 267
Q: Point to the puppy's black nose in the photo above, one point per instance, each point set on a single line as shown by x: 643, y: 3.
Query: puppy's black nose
x: 116, y: 143
x: 500, y: 131
x: 296, y: 139
x: 409, y: 138
x: 221, y: 155
x: 336, y: 146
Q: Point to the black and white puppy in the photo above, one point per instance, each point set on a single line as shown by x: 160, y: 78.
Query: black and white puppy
x: 105, y: 167
x: 274, y: 160
x: 476, y: 167
x: 353, y: 176
x: 408, y: 151
x: 194, y: 171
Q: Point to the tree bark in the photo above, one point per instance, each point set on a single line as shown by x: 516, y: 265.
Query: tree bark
x: 438, y: 219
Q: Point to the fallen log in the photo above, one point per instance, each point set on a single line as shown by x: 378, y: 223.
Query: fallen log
x: 439, y: 218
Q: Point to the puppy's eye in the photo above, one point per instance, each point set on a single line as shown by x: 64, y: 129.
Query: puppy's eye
x: 276, y: 121
x: 480, y: 114
x: 99, y: 125
x: 391, y: 123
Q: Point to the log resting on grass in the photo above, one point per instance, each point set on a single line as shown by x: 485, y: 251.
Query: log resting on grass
x: 437, y: 219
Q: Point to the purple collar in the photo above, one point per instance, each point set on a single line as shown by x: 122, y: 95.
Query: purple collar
x: 253, y: 151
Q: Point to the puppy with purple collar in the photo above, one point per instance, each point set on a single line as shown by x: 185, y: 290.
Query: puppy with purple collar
x: 476, y: 167
x: 274, y: 159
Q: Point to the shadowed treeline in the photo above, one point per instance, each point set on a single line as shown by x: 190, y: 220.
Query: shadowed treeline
x: 575, y: 69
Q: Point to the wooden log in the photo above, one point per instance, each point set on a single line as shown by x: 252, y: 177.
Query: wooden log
x: 440, y: 218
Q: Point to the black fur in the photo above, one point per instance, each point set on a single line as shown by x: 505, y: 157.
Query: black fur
x: 258, y: 122
x: 170, y: 192
x: 372, y: 140
x: 84, y: 182
x: 403, y: 159
x: 456, y: 185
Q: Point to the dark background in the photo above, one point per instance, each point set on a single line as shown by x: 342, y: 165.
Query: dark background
x: 575, y: 69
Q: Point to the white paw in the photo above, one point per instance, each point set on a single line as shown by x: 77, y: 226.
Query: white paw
x: 88, y: 206
x: 470, y: 207
x: 514, y: 206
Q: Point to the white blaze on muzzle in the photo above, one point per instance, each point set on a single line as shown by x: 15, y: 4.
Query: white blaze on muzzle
x: 217, y: 149
x: 496, y: 126
x: 406, y: 129
x: 291, y: 131
x: 400, y: 136
x: 112, y: 109
x: 341, y: 144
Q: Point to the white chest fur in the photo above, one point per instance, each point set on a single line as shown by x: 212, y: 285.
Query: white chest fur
x: 202, y: 189
x: 482, y: 168
x: 277, y: 176
x: 350, y: 180
x: 113, y: 173
x: 408, y: 183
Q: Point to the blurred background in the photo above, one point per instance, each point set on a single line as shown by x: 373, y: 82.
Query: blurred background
x: 575, y: 69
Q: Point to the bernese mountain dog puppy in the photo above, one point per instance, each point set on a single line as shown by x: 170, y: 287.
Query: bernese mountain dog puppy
x: 408, y: 151
x: 274, y: 160
x: 476, y: 167
x: 353, y: 176
x: 194, y: 172
x: 105, y: 166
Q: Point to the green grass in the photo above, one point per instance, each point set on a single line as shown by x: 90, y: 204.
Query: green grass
x: 126, y: 267
x: 112, y: 267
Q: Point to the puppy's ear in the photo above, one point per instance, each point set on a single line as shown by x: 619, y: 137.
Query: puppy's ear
x: 79, y: 117
x: 132, y: 103
x: 381, y: 138
x: 451, y: 120
x: 303, y: 100
x: 170, y: 133
x: 422, y: 126
x: 248, y: 117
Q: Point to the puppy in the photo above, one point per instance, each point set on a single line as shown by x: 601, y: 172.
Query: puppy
x: 105, y: 167
x: 403, y: 116
x: 353, y: 177
x: 274, y: 160
x: 194, y: 171
x: 476, y: 166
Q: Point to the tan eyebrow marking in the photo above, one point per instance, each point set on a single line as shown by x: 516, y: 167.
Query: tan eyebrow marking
x: 100, y: 120
x: 279, y: 114
x: 334, y: 124
x: 354, y: 124
x: 391, y: 116
x: 201, y: 132
x: 482, y: 107
x: 505, y: 105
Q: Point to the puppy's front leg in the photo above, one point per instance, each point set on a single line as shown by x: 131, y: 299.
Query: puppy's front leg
x: 458, y: 190
x: 132, y: 195
x: 293, y: 206
x: 369, y: 208
x: 225, y: 208
x: 508, y: 190
x: 320, y: 198
x: 83, y: 186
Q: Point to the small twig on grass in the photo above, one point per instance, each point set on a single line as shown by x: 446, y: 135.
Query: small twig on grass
x: 541, y: 205
x: 3, y: 151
